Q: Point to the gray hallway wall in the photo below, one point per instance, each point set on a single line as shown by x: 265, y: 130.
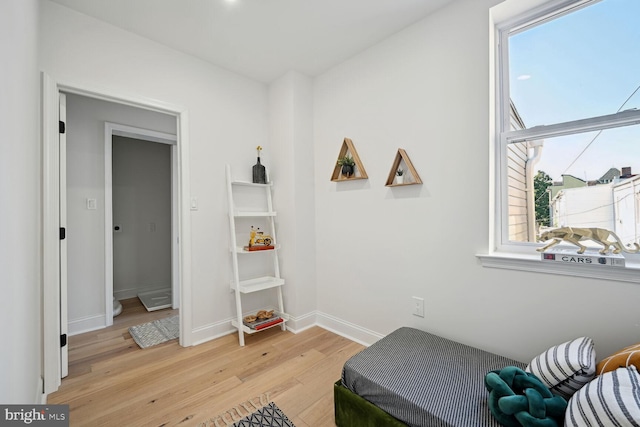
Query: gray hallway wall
x: 142, y: 209
x: 86, y: 119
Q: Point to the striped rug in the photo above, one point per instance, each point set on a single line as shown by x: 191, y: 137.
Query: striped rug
x: 255, y: 412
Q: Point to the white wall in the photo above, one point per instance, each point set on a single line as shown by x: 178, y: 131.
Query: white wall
x: 291, y: 135
x: 227, y: 119
x: 20, y: 272
x: 426, y: 89
x: 86, y: 119
x: 142, y: 210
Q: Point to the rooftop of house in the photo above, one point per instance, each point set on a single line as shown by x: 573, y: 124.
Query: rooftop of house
x: 609, y: 176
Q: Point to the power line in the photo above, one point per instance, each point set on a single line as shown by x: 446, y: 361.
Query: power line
x: 599, y: 132
x: 608, y: 205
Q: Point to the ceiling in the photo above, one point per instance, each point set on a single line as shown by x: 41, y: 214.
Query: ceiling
x: 262, y: 39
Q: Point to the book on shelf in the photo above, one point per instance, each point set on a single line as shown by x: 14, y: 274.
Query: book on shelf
x: 259, y: 248
x: 262, y: 323
x: 268, y: 324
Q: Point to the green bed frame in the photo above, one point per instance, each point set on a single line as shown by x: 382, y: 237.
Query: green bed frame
x: 352, y: 410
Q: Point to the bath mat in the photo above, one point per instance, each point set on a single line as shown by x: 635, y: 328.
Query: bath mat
x: 251, y: 413
x: 156, y: 332
x: 155, y: 300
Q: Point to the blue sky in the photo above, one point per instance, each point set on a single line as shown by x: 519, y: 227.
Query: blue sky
x: 584, y: 64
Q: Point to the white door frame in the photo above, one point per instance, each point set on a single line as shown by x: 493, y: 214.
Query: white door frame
x: 111, y: 129
x: 51, y: 217
x: 62, y: 176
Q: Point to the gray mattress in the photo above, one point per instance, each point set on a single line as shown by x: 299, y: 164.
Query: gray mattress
x: 425, y: 380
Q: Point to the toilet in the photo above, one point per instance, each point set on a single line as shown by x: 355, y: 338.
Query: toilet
x: 117, y: 307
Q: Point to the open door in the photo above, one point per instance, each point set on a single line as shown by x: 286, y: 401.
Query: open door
x: 64, y: 348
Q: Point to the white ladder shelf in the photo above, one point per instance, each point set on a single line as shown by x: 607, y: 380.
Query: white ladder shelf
x: 271, y: 280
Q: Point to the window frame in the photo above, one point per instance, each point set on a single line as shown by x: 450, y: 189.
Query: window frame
x: 504, y: 253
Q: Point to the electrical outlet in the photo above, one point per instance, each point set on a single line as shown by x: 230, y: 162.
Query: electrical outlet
x: 418, y: 306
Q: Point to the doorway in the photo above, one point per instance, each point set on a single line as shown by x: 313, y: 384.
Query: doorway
x: 142, y: 219
x: 91, y: 127
x: 52, y: 296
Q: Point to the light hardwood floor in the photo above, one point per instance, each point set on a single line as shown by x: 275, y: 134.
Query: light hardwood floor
x: 112, y: 382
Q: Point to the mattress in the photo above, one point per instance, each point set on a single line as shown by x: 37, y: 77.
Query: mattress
x: 424, y: 379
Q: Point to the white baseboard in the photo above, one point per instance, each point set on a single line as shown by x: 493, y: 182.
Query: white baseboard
x: 212, y: 331
x: 348, y: 330
x: 125, y: 293
x: 133, y: 292
x: 222, y: 328
x: 366, y: 337
x: 295, y: 324
x: 86, y: 324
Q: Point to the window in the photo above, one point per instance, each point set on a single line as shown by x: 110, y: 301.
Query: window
x: 568, y: 121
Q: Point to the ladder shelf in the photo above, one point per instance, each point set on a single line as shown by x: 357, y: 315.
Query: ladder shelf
x: 257, y: 284
x: 260, y: 195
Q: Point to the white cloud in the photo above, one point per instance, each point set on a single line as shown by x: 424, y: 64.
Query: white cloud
x: 524, y: 77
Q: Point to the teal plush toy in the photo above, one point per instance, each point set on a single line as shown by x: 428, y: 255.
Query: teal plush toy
x: 518, y: 398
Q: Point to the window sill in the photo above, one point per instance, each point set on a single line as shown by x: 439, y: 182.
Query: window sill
x: 532, y: 262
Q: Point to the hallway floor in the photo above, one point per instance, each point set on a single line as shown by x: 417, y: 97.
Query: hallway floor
x: 103, y: 344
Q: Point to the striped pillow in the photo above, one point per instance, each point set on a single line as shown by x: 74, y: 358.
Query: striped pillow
x: 612, y: 399
x: 565, y: 368
x: 622, y: 358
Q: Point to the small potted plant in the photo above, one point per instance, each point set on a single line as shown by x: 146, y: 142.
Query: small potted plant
x: 399, y: 176
x: 348, y: 165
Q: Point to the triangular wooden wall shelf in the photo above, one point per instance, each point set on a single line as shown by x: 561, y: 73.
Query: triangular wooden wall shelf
x: 411, y: 176
x: 359, y: 173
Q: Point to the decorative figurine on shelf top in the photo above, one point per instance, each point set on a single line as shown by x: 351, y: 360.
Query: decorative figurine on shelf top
x: 258, y: 240
x: 259, y: 171
x: 252, y: 236
x: 575, y: 235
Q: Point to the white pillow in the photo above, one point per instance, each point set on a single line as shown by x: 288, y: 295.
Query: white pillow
x: 565, y: 368
x: 611, y: 399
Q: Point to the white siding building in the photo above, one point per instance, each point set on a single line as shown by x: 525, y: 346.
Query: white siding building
x: 521, y: 160
x: 614, y: 206
x: 584, y: 207
x: 626, y: 207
